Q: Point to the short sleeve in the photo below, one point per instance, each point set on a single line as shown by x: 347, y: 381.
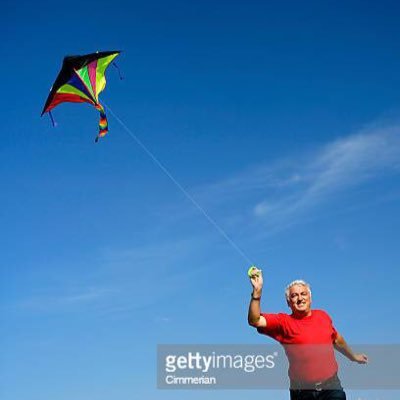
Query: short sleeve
x: 334, y: 333
x: 274, y: 326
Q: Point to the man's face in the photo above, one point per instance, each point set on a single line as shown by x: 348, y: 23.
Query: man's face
x: 299, y: 300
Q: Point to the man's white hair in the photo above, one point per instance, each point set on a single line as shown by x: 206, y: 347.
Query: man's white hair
x: 297, y: 282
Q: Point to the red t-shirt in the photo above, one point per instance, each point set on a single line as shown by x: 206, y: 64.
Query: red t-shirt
x: 312, y: 363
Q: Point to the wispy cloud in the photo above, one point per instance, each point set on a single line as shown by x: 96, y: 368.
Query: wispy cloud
x: 288, y: 188
x: 349, y: 161
x: 66, y: 299
x: 123, y: 280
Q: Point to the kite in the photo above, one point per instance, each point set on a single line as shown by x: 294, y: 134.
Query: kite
x: 81, y: 80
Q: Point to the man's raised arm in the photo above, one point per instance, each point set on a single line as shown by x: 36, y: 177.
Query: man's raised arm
x: 254, y: 317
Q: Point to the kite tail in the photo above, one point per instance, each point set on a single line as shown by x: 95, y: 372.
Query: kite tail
x: 52, y: 119
x: 103, y: 124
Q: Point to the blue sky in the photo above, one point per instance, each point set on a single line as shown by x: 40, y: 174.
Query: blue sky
x: 280, y: 119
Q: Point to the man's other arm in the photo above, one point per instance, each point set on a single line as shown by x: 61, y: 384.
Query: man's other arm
x: 342, y: 347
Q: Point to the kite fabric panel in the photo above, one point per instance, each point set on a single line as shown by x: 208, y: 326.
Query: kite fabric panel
x: 81, y: 80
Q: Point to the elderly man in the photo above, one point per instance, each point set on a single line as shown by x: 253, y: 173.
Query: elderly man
x: 312, y: 368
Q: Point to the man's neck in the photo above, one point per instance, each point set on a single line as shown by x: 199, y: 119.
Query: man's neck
x: 300, y: 315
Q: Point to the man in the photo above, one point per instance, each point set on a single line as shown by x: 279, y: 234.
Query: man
x: 312, y: 368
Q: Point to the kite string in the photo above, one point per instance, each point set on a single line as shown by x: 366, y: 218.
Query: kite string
x: 179, y: 186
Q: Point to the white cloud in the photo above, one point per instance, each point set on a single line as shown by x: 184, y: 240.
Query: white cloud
x: 344, y: 163
x: 262, y: 208
x: 279, y: 192
x: 122, y: 280
x: 66, y: 299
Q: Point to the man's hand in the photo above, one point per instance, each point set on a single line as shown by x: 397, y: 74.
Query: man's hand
x: 256, y: 280
x: 360, y: 358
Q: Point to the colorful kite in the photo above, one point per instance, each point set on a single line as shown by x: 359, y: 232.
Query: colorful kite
x: 81, y: 80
